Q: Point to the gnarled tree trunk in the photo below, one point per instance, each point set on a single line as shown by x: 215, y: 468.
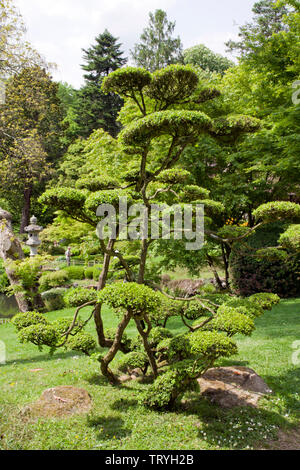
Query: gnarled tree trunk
x: 11, y: 250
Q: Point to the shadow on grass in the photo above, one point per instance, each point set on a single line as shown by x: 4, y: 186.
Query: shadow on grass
x: 96, y: 379
x: 108, y: 427
x: 45, y: 358
x: 287, y: 386
x: 236, y: 428
x: 124, y: 404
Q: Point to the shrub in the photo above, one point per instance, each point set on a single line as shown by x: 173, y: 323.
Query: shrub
x: 217, y: 299
x: 40, y: 335
x: 75, y: 272
x: 82, y: 342
x: 210, y: 345
x: 23, y: 320
x: 245, y: 306
x: 231, y: 321
x: 163, y: 393
x: 139, y: 298
x: 175, y: 176
x: 194, y: 310
x: 54, y: 299
x: 157, y: 335
x: 97, y: 271
x: 208, y: 289
x: 79, y: 296
x: 89, y: 272
x: 168, y: 387
x: 168, y: 308
x: 53, y: 279
x: 265, y: 300
x: 4, y: 283
x: 62, y: 325
x: 290, y: 239
x: 278, y: 210
x: 133, y: 360
x: 175, y: 348
x: 192, y: 193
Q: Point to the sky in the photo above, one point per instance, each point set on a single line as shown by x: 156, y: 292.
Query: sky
x: 59, y: 29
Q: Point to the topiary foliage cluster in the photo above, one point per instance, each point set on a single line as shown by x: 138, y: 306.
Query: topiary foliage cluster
x: 79, y: 296
x: 35, y: 328
x: 137, y: 298
x: 187, y: 356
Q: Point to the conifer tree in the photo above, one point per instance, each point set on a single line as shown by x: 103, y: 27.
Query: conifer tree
x: 157, y: 48
x: 96, y: 109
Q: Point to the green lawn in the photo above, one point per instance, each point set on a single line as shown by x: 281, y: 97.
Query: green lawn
x: 118, y: 422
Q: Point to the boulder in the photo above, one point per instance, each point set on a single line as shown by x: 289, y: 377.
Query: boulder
x: 233, y: 386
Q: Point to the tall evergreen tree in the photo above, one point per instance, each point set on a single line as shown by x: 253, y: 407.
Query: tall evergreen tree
x: 95, y: 109
x: 157, y: 48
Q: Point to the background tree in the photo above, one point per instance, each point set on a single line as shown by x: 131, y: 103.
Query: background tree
x: 69, y: 101
x: 157, y: 47
x: 202, y: 56
x: 30, y: 126
x: 263, y: 166
x: 268, y: 20
x: 96, y: 109
x: 15, y: 52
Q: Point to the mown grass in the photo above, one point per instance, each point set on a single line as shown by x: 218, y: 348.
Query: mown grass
x: 118, y: 422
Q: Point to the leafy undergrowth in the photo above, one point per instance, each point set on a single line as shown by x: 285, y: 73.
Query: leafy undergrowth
x: 118, y: 422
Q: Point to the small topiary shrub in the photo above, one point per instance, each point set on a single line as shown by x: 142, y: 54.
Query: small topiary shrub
x: 210, y: 345
x: 168, y: 308
x: 79, y: 296
x: 177, y: 348
x: 278, y: 210
x: 23, y: 320
x: 245, y: 306
x: 194, y: 310
x: 75, y: 272
x: 157, y: 335
x: 138, y: 298
x: 257, y: 268
x: 53, y: 279
x: 40, y: 335
x: 217, y: 299
x: 62, y: 325
x: 231, y: 321
x: 82, y: 342
x: 89, y: 272
x: 54, y: 299
x: 264, y: 300
x: 133, y: 360
x: 172, y: 384
x: 97, y: 271
x: 290, y: 239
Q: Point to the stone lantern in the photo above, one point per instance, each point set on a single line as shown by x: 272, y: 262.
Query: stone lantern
x: 33, y: 231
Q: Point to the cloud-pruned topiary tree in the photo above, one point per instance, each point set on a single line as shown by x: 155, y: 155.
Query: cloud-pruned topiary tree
x: 161, y: 119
